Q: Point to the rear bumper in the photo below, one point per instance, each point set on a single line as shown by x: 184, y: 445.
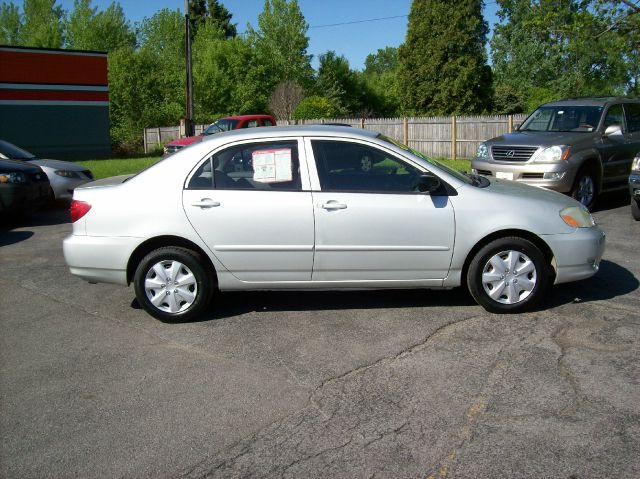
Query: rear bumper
x: 99, y: 259
x: 578, y: 254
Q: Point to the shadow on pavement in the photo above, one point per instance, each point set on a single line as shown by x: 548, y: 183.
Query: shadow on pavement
x: 56, y: 214
x: 610, y: 201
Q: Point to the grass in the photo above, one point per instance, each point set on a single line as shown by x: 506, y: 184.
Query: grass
x: 127, y: 166
x: 118, y: 166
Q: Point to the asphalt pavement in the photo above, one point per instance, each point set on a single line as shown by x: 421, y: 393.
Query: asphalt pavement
x: 375, y: 384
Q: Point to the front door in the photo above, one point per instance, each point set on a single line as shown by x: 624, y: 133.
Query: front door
x: 371, y: 223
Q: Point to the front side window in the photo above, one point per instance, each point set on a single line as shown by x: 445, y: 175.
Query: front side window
x: 224, y: 124
x: 257, y: 166
x: 267, y: 122
x: 614, y: 116
x: 345, y: 166
x: 632, y: 112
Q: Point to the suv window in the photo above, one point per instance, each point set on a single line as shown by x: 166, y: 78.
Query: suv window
x: 614, y: 117
x: 632, y: 113
x: 563, y: 118
x: 259, y: 166
x: 345, y: 166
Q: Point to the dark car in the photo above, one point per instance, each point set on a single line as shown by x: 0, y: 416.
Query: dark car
x: 23, y: 188
x: 579, y: 146
x: 634, y: 187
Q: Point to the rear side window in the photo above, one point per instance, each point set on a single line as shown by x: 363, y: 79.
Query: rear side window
x: 259, y: 166
x: 632, y: 113
x: 267, y: 122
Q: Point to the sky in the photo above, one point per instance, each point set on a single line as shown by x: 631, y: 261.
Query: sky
x: 353, y: 40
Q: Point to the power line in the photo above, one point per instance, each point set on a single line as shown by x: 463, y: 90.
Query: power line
x: 358, y: 21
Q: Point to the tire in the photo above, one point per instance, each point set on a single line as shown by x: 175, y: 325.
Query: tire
x: 635, y: 209
x: 187, y: 297
x: 491, y: 280
x: 585, y: 187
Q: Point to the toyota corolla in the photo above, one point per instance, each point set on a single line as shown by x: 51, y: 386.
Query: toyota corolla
x: 323, y: 207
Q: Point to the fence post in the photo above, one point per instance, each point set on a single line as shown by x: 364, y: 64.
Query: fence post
x: 405, y: 131
x: 144, y: 140
x: 158, y: 136
x: 362, y: 123
x: 454, y: 135
x: 510, y: 123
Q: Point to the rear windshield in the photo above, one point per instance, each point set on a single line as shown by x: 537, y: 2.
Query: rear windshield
x: 564, y: 118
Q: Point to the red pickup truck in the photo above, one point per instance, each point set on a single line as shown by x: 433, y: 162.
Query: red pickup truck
x: 223, y: 124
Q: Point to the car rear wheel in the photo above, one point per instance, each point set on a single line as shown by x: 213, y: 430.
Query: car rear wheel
x: 585, y: 188
x: 635, y: 209
x: 508, y: 275
x: 172, y: 284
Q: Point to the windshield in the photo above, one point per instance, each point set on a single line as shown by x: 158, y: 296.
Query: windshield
x: 432, y: 162
x: 563, y: 118
x: 223, y: 124
x: 12, y: 152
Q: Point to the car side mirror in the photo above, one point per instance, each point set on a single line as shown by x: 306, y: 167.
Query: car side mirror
x: 516, y: 127
x: 428, y: 183
x: 613, y: 130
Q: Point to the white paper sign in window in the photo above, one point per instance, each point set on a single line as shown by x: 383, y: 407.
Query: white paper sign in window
x: 272, y: 166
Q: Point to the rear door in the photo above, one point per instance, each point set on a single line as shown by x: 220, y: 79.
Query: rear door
x: 250, y: 203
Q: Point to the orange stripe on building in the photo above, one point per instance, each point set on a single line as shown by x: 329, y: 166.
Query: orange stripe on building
x: 30, y: 67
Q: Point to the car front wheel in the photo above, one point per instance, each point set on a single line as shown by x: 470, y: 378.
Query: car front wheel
x: 508, y: 275
x: 172, y: 284
x: 585, y: 188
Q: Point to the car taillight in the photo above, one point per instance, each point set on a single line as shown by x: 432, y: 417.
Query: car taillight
x: 78, y: 209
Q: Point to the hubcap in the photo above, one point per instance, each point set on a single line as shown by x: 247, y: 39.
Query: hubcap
x: 170, y: 286
x: 509, y: 277
x: 585, y: 190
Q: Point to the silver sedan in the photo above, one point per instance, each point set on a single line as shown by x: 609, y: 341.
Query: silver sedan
x: 324, y: 207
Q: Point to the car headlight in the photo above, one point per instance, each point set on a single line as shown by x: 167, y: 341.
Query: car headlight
x: 635, y: 164
x: 577, y: 217
x: 551, y: 154
x: 67, y: 173
x: 13, y: 177
x: 483, y: 152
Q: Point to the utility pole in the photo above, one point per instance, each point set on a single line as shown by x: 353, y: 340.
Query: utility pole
x: 189, y: 93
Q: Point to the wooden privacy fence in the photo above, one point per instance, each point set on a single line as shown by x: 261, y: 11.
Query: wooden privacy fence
x: 438, y: 136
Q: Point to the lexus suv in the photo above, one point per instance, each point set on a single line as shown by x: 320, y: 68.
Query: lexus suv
x: 579, y: 146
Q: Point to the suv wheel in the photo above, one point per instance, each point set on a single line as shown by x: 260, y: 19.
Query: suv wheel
x: 584, y: 188
x: 635, y: 209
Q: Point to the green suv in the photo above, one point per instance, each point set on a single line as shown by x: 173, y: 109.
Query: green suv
x: 579, y: 146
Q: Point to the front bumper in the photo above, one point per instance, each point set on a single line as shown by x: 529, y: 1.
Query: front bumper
x: 553, y: 176
x: 577, y: 255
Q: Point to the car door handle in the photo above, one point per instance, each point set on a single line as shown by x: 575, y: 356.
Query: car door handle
x: 333, y: 205
x: 206, y: 203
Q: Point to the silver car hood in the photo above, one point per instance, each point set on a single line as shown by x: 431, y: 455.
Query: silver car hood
x: 514, y: 191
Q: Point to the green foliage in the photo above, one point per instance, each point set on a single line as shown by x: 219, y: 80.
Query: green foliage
x: 442, y: 64
x: 88, y: 29
x: 380, y: 77
x: 316, y: 107
x: 42, y: 24
x: 10, y: 24
x: 201, y: 11
x: 548, y: 49
x: 280, y: 45
x: 385, y: 60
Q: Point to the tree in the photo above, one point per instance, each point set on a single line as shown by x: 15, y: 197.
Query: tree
x: 280, y: 44
x: 316, y: 107
x: 203, y: 10
x: 284, y: 100
x: 43, y: 24
x: 442, y: 64
x: 385, y: 60
x: 381, y: 81
x: 547, y: 49
x: 87, y: 29
x: 10, y: 24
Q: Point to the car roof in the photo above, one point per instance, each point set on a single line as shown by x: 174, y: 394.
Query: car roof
x: 592, y: 101
x: 292, y: 130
